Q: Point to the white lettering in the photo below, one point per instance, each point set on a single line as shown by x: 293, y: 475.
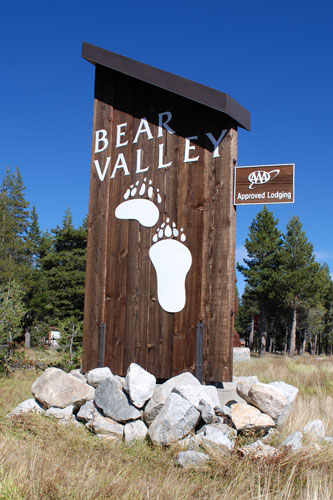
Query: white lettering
x: 143, y: 127
x: 188, y: 148
x: 164, y: 123
x: 160, y: 157
x: 216, y: 142
x: 98, y: 168
x: 99, y: 139
x: 138, y: 162
x: 120, y: 163
x: 120, y: 133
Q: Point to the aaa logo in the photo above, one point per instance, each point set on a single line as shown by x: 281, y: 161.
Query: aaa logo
x: 261, y: 177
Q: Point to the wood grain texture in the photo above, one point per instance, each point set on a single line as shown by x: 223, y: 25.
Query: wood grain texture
x: 121, y: 287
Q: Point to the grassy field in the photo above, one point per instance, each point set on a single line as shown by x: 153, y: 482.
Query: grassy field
x: 40, y: 459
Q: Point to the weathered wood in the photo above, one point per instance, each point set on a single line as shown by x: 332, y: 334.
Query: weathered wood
x: 121, y: 286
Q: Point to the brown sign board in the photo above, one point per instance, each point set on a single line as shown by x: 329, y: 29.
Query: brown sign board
x: 161, y: 224
x: 264, y: 184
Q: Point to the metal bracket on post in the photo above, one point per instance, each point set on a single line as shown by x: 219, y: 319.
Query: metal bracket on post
x: 198, y: 351
x: 101, y: 345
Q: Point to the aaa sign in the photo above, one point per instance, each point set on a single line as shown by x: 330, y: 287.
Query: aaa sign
x: 263, y: 184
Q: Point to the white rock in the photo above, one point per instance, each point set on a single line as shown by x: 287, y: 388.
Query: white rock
x: 135, y: 431
x: 77, y: 373
x: 214, y: 437
x: 176, y: 419
x: 241, y: 354
x: 107, y: 426
x: 27, y: 406
x: 315, y: 430
x: 87, y: 411
x: 290, y: 393
x: 293, y: 441
x: 212, y: 395
x: 59, y: 389
x: 244, y: 416
x: 95, y: 376
x: 196, y: 395
x: 60, y: 413
x: 183, y: 379
x: 259, y: 450
x: 190, y: 458
x: 139, y: 384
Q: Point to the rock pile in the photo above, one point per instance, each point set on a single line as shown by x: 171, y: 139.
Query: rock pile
x: 181, y: 410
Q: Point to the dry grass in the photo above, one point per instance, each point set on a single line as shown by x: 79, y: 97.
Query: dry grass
x: 40, y: 459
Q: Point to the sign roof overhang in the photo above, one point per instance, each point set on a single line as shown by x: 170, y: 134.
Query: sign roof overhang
x: 170, y: 82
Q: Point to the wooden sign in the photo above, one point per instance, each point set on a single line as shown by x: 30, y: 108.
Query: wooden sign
x: 161, y: 226
x: 263, y: 184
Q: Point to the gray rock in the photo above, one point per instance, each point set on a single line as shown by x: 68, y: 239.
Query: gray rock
x: 113, y: 402
x: 135, y: 431
x: 87, y: 411
x: 258, y: 449
x: 139, y: 384
x: 215, y: 437
x: 196, y: 395
x: 212, y: 395
x: 230, y: 432
x: 120, y: 380
x: 190, y: 458
x: 207, y: 412
x: 290, y: 393
x: 60, y: 413
x: 27, y: 406
x: 241, y: 354
x: 176, y: 419
x: 59, y: 389
x: 105, y: 426
x: 189, y: 443
x: 244, y: 416
x: 293, y: 441
x: 95, y: 376
x: 183, y: 379
x: 315, y: 430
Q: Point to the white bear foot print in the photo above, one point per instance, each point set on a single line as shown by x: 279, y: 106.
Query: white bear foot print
x: 140, y: 209
x: 172, y: 261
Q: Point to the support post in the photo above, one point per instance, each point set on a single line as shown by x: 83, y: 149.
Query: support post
x: 101, y: 345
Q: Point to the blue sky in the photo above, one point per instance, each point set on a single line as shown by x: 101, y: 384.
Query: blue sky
x: 274, y: 58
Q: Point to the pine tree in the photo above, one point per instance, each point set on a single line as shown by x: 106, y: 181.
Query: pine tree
x: 301, y: 280
x: 64, y: 268
x: 263, y: 247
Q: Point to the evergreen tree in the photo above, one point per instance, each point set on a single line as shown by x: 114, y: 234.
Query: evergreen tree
x: 64, y: 268
x: 12, y: 311
x: 14, y: 220
x: 263, y: 247
x: 301, y: 279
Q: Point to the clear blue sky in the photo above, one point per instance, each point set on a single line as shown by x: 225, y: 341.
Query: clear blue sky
x: 274, y: 58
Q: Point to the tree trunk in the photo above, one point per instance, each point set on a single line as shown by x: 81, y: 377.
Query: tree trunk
x: 262, y: 332
x: 27, y: 339
x: 251, y: 337
x: 292, y: 338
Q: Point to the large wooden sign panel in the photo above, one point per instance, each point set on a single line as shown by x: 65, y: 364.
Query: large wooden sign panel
x: 161, y: 230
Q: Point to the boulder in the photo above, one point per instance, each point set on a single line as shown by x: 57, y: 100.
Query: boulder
x: 57, y: 388
x: 87, y: 411
x: 293, y: 441
x: 196, y: 394
x: 176, y: 419
x: 230, y: 432
x: 77, y: 373
x: 113, y: 402
x: 135, y: 431
x: 27, y: 406
x: 139, y: 384
x: 190, y: 458
x: 244, y: 416
x: 183, y: 379
x: 215, y: 437
x: 105, y: 426
x: 60, y: 413
x: 207, y: 412
x: 95, y: 376
x: 315, y: 430
x: 258, y: 449
x: 274, y: 399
